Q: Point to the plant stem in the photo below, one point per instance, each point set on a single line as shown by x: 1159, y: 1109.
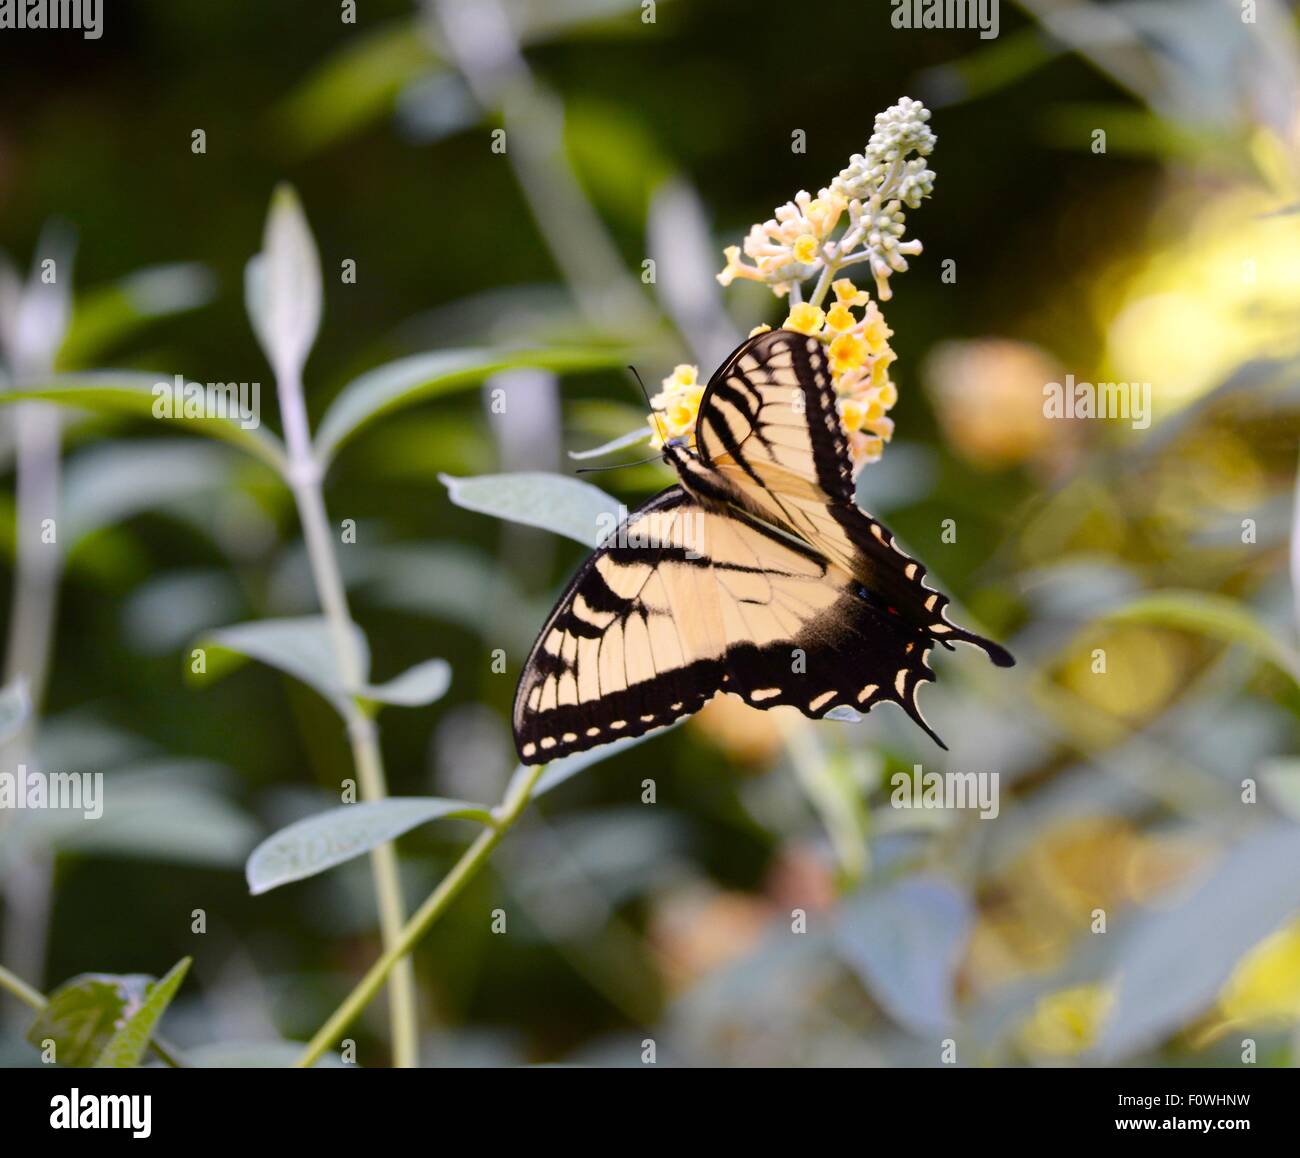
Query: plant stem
x: 33, y: 609
x: 305, y: 480
x: 21, y: 990
x: 462, y: 872
x: 482, y: 43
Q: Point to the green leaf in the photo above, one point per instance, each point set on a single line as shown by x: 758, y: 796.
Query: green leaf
x: 905, y: 941
x: 415, y: 688
x: 443, y: 579
x: 1280, y: 779
x: 330, y: 838
x: 553, y: 502
x: 283, y: 288
x: 169, y: 810
x: 127, y: 1046
x: 110, y: 314
x: 409, y: 380
x: 131, y: 394
x: 619, y: 443
x: 84, y: 1013
x: 355, y: 87
x: 1172, y: 962
x: 112, y: 482
x: 1207, y: 613
x: 301, y: 647
x: 617, y: 161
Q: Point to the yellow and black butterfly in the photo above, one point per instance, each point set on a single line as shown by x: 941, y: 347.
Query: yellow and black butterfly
x: 757, y: 575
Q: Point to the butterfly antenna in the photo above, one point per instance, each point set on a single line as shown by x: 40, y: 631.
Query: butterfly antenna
x: 663, y: 434
x: 619, y: 465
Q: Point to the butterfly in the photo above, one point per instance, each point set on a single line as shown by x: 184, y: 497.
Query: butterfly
x: 756, y: 574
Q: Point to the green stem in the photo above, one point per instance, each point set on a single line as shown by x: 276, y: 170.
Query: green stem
x: 21, y: 990
x: 305, y: 480
x: 462, y: 872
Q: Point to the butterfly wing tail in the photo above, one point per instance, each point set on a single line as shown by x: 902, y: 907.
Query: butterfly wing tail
x: 995, y: 651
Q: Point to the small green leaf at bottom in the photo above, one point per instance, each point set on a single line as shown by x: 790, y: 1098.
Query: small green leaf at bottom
x: 128, y: 1045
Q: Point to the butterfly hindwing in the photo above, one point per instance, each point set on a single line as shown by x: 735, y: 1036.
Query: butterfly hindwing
x: 768, y: 422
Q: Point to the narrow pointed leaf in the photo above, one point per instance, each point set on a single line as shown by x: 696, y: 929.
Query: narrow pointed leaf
x: 132, y: 394
x: 84, y: 1013
x: 410, y: 380
x: 301, y: 647
x: 416, y: 687
x: 631, y: 438
x: 566, y: 506
x: 1207, y: 613
x: 330, y: 838
x: 128, y: 1045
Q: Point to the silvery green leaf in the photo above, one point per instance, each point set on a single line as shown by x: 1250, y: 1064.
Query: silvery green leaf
x: 566, y: 506
x: 283, y: 286
x: 623, y: 440
x: 409, y: 380
x: 1280, y: 780
x: 128, y: 1044
x: 330, y: 838
x: 1172, y: 962
x: 15, y: 707
x: 163, y: 613
x: 111, y: 313
x: 414, y: 688
x: 114, y: 481
x: 905, y: 942
x: 169, y: 810
x: 301, y: 647
x: 131, y: 393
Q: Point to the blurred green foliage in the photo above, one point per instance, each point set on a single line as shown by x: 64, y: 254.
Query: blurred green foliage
x: 675, y: 921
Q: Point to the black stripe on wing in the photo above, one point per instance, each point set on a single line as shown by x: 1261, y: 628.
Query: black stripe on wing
x: 741, y: 402
x: 544, y: 733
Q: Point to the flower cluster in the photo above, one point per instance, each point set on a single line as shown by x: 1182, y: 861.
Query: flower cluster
x: 860, y: 356
x: 789, y: 247
x: 798, y: 242
x: 900, y: 131
x: 675, y: 407
x: 858, y: 218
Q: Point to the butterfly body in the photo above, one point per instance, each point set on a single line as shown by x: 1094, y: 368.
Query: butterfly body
x: 757, y: 574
